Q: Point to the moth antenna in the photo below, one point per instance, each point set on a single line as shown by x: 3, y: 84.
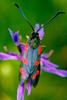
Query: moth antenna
x: 22, y: 13
x: 53, y: 17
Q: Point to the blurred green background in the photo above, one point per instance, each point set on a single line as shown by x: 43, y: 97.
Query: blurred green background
x: 50, y: 87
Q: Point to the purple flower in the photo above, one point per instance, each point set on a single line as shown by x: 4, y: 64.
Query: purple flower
x: 45, y: 64
x: 40, y: 32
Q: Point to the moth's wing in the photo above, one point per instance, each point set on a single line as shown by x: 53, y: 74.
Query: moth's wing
x: 40, y: 32
x: 49, y: 67
x: 36, y: 80
x: 4, y: 56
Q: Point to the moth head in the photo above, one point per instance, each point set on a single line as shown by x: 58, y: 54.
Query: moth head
x: 34, y: 40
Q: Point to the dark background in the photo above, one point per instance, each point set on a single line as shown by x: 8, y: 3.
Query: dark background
x: 50, y: 87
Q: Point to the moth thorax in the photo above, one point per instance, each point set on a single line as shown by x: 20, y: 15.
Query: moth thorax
x: 35, y: 35
x: 34, y: 40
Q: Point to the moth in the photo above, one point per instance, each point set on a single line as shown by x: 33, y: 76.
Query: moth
x: 32, y: 57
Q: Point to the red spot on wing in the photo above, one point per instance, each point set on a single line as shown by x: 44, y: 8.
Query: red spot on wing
x: 21, y: 70
x: 36, y: 74
x: 37, y: 62
x: 26, y: 48
x: 24, y: 61
x: 39, y: 50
